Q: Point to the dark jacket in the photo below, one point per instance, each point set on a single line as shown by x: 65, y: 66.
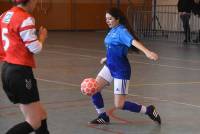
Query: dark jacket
x: 185, y: 6
x: 196, y: 8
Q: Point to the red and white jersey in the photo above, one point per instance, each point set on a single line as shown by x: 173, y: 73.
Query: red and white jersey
x: 17, y: 32
x: 2, y: 53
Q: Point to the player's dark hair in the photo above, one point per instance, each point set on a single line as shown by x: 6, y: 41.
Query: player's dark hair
x: 119, y: 15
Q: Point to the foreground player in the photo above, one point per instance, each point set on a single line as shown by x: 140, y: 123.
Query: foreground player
x: 20, y: 42
x: 118, y: 69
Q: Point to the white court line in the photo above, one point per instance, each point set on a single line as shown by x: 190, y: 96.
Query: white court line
x: 136, y: 55
x: 58, y: 82
x: 131, y: 61
x: 170, y: 83
x: 133, y: 95
x: 149, y: 98
x: 135, y: 85
x: 72, y: 54
x: 168, y: 66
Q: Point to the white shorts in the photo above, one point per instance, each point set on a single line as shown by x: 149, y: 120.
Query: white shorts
x: 120, y: 85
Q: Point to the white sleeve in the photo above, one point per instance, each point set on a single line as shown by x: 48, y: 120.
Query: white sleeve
x: 29, y: 37
x: 27, y: 30
x: 35, y: 47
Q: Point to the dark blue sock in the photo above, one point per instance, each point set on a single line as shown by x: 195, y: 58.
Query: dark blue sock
x: 97, y: 100
x: 133, y: 107
x: 103, y: 115
x: 148, y: 110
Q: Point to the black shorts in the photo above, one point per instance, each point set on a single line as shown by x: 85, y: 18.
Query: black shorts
x: 19, y: 83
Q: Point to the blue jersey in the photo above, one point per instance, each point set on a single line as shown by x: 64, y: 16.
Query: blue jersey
x: 117, y: 42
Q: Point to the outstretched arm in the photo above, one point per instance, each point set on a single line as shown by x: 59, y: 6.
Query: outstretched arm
x: 151, y: 55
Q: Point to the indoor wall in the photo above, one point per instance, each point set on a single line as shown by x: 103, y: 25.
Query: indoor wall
x: 75, y: 14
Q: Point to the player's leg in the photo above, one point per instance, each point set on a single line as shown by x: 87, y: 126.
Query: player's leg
x: 36, y: 116
x: 103, y: 79
x: 121, y: 90
x: 10, y: 77
x: 43, y: 129
x: 34, y: 108
x: 21, y: 87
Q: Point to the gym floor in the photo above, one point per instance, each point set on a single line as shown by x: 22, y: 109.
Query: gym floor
x: 172, y: 84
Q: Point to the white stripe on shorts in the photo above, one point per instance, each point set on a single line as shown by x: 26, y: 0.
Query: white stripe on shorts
x: 121, y: 86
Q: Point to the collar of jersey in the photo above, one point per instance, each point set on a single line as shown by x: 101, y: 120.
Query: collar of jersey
x: 18, y: 8
x: 114, y: 28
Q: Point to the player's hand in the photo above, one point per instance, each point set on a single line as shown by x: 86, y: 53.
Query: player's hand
x: 152, y: 55
x: 103, y: 60
x: 42, y: 34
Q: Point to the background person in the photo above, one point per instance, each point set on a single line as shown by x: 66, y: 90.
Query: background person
x: 185, y: 8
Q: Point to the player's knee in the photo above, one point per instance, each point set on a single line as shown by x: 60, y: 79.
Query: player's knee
x: 35, y: 119
x: 119, y: 101
x: 43, y: 114
x: 119, y: 105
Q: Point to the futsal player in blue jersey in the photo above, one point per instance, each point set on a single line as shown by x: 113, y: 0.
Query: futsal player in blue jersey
x: 117, y: 68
